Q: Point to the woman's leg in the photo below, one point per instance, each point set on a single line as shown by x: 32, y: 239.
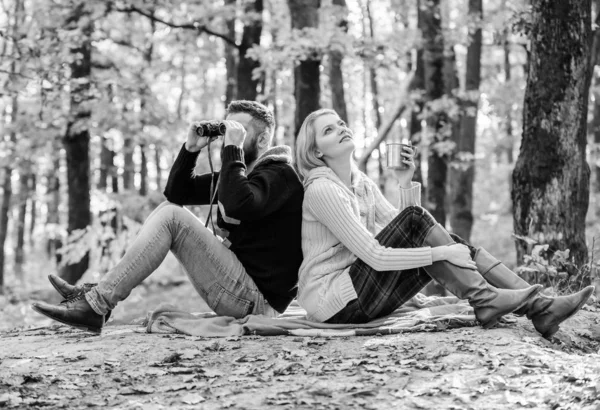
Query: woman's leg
x: 379, y: 293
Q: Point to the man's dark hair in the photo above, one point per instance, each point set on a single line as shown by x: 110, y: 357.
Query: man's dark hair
x: 261, y: 115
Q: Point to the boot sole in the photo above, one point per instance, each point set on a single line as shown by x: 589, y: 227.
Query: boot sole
x: 494, y: 320
x: 96, y: 330
x: 556, y: 327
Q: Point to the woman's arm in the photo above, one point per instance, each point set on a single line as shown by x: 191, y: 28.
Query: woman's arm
x: 331, y: 207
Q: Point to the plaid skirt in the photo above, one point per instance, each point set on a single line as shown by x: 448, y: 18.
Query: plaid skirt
x: 380, y: 293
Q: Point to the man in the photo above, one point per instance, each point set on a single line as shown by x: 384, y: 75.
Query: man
x: 259, y: 198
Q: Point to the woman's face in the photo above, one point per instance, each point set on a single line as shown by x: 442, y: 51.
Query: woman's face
x: 333, y: 138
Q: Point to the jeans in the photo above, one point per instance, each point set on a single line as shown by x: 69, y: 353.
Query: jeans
x: 214, y: 270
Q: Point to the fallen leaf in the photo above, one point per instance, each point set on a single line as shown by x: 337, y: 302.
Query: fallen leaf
x: 192, y: 398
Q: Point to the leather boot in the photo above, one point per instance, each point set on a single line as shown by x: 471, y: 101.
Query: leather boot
x: 545, y: 312
x: 489, y: 303
x: 68, y: 291
x: 75, y: 312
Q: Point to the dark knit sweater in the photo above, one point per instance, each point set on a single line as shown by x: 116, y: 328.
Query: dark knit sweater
x: 262, y: 212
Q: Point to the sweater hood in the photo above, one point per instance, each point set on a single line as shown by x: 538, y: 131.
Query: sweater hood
x: 280, y: 153
x: 327, y: 173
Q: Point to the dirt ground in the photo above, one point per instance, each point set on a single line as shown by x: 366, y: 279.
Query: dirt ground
x: 53, y: 366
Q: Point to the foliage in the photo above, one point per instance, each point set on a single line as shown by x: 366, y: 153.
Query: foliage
x: 555, y: 268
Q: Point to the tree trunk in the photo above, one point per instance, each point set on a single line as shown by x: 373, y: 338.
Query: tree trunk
x: 433, y: 57
x: 231, y: 59
x: 336, y: 75
x: 507, y: 76
x: 158, y: 168
x: 307, y: 86
x: 461, y: 216
x: 53, y: 204
x: 143, y: 170
x: 551, y: 177
x: 24, y: 176
x: 106, y: 164
x: 246, y: 83
x: 128, y: 165
x: 415, y: 130
x: 33, y: 205
x: 77, y: 138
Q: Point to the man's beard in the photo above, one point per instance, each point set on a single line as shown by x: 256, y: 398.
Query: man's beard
x: 250, y: 153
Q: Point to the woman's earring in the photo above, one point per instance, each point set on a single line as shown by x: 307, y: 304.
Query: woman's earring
x: 319, y: 154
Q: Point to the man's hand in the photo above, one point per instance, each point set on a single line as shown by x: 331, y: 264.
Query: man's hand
x: 194, y: 142
x: 235, y: 134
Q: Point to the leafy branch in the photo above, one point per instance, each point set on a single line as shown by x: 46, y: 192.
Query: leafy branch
x: 190, y: 26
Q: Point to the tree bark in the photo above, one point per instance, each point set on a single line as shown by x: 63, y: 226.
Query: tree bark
x: 106, y: 164
x: 336, y: 74
x: 461, y: 196
x: 143, y: 170
x: 24, y: 176
x: 307, y: 86
x: 231, y: 59
x: 417, y: 84
x: 77, y: 137
x: 128, y: 165
x: 158, y: 168
x: 33, y: 207
x: 507, y: 77
x: 53, y: 204
x: 433, y: 57
x: 247, y: 85
x: 551, y: 177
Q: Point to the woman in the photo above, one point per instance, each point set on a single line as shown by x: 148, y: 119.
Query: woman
x: 363, y: 258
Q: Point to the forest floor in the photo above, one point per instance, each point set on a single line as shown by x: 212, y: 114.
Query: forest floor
x: 46, y: 365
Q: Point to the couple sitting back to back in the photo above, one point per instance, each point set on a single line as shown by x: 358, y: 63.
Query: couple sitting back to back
x: 332, y: 239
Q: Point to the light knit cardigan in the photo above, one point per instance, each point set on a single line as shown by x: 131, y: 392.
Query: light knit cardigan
x: 338, y: 226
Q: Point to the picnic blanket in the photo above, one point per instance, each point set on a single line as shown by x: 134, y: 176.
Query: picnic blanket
x: 421, y: 313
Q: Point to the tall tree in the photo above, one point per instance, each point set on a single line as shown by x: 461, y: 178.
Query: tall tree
x: 231, y: 56
x: 461, y: 197
x: 247, y: 83
x: 307, y: 86
x: 551, y: 177
x: 433, y: 57
x: 77, y: 137
x: 336, y: 56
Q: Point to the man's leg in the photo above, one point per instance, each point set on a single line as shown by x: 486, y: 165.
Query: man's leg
x: 214, y: 270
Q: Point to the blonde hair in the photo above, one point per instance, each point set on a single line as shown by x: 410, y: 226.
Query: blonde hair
x: 306, y: 143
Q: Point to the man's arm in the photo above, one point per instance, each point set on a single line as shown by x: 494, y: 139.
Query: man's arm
x: 183, y: 188
x: 252, y: 198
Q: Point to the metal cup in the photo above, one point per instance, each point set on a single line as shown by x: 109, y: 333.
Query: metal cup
x: 394, y: 155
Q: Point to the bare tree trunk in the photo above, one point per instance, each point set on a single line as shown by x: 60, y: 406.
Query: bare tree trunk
x: 433, y: 57
x: 307, y: 86
x: 461, y: 216
x: 247, y: 85
x: 23, y: 195
x: 77, y: 137
x: 128, y: 165
x: 551, y: 177
x: 158, y: 168
x: 415, y: 130
x: 231, y: 59
x: 106, y: 164
x: 33, y: 207
x: 507, y: 77
x: 336, y: 75
x: 143, y: 171
x: 53, y: 204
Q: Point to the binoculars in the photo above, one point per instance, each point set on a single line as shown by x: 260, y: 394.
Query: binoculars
x: 211, y: 129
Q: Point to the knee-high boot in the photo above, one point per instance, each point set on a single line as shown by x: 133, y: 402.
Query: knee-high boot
x: 489, y: 303
x: 545, y: 312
